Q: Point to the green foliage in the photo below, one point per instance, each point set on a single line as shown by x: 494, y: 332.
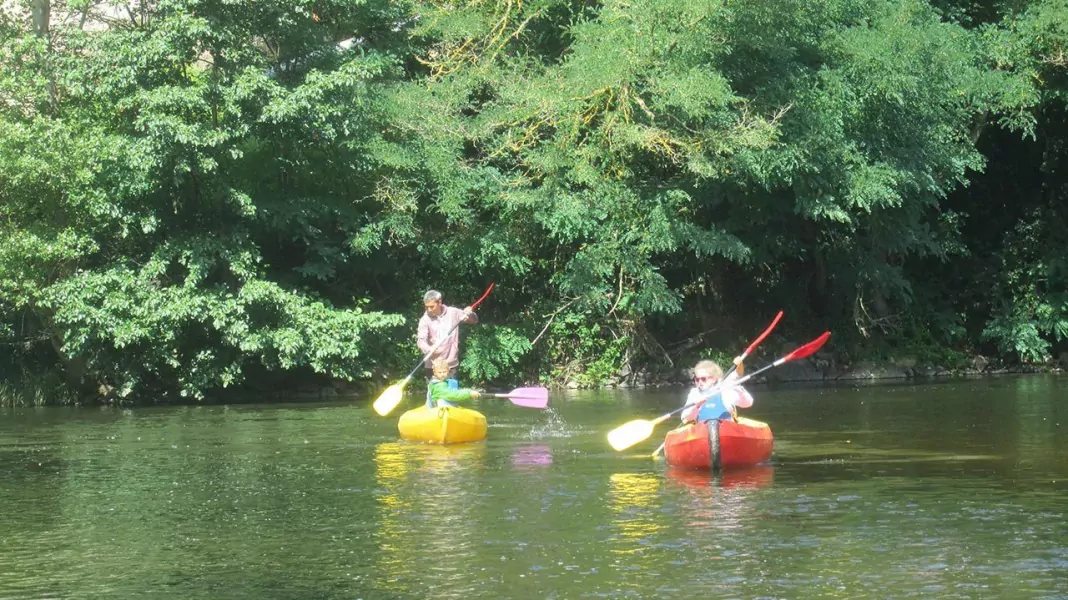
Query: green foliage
x: 597, y: 361
x: 200, y: 188
x: 176, y: 190
x: 723, y: 358
x: 1026, y: 278
x: 491, y: 351
x: 586, y: 353
x: 1032, y: 295
x: 132, y: 326
x: 31, y: 389
x: 921, y: 339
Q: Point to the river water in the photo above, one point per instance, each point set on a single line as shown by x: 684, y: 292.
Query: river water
x: 940, y: 490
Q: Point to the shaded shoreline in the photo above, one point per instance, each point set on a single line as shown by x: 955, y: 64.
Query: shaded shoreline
x: 822, y: 370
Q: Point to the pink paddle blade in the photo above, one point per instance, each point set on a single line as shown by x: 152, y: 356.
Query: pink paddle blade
x: 529, y: 397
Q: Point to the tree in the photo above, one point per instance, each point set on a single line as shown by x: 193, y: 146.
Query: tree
x: 152, y: 157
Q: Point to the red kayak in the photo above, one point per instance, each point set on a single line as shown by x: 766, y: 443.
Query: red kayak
x: 717, y: 445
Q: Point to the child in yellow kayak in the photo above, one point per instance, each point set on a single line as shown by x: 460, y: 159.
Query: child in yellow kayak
x: 439, y: 392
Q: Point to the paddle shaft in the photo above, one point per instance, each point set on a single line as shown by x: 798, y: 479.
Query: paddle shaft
x: 802, y: 352
x: 744, y: 354
x: 523, y: 392
x: 722, y: 386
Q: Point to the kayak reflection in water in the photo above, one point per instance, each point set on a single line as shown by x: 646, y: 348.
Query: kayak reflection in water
x: 723, y: 502
x: 706, y: 483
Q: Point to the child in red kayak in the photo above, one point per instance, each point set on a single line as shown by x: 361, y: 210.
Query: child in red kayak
x: 442, y: 391
x: 709, y: 400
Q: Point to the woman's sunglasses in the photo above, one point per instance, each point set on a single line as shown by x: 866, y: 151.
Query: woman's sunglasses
x: 703, y: 379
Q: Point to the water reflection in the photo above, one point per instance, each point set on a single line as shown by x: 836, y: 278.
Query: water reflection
x: 398, y: 460
x: 427, y: 513
x: 913, y: 492
x: 532, y: 456
x: 632, y: 498
x: 721, y: 501
x: 760, y: 476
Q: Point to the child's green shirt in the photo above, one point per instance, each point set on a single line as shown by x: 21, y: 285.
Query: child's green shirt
x: 439, y: 390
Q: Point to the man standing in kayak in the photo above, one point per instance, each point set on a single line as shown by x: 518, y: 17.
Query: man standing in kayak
x: 435, y: 327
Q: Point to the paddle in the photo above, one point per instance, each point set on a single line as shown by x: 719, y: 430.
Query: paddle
x: 631, y: 433
x: 529, y: 397
x: 803, y: 352
x: 393, y: 395
x: 739, y: 359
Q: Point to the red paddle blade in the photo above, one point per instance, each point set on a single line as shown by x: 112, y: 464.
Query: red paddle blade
x: 529, y: 397
x: 475, y: 304
x: 763, y: 335
x: 808, y: 349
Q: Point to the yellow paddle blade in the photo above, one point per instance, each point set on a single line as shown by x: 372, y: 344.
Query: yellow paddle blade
x: 389, y: 398
x: 628, y: 434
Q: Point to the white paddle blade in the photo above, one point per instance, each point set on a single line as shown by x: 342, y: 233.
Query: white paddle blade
x: 628, y: 434
x: 389, y: 399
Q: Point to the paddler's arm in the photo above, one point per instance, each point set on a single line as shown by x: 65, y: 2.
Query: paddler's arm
x: 693, y: 399
x: 469, y: 316
x: 423, y: 341
x: 441, y: 391
x: 740, y: 397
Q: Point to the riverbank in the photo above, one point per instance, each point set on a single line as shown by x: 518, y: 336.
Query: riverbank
x: 822, y: 367
x: 825, y: 367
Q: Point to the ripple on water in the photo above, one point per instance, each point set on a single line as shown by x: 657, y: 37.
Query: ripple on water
x: 553, y: 426
x: 265, y: 502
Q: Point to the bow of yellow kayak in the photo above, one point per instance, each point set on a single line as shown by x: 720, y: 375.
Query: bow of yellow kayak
x: 443, y: 425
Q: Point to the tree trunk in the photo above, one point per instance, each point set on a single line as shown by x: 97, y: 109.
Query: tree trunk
x: 73, y: 367
x: 41, y: 13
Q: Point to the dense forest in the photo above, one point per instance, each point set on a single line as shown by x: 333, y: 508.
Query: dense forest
x: 207, y: 194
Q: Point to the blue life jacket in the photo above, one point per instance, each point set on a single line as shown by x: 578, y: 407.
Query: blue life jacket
x: 713, y: 408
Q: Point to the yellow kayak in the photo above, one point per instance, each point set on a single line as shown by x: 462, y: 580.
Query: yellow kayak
x: 444, y: 425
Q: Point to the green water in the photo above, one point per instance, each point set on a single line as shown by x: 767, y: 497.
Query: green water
x: 951, y: 490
